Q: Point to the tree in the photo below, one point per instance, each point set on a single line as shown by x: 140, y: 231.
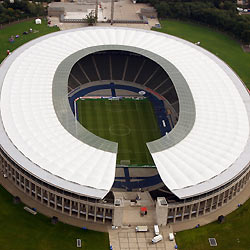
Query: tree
x: 91, y: 18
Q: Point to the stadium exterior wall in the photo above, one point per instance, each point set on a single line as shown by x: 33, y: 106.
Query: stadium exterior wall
x: 97, y: 211
x: 54, y: 198
x: 75, y: 205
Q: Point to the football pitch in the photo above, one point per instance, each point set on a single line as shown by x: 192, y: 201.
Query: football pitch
x: 129, y: 122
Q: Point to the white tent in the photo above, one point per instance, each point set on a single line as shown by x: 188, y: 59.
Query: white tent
x: 38, y: 21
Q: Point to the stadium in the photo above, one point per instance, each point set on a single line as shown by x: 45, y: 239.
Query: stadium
x: 93, y: 113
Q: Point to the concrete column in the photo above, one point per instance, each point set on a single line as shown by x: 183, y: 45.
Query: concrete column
x: 198, y: 209
x: 118, y: 212
x: 217, y: 202
x: 78, y: 209
x: 205, y: 206
x: 87, y: 212
x: 212, y: 202
x: 48, y: 197
x: 226, y: 197
x: 55, y: 202
x: 62, y: 204
x: 175, y: 211
x: 182, y: 213
x: 190, y: 211
x: 16, y: 182
x: 41, y: 195
x: 30, y: 186
x: 35, y: 191
x: 95, y: 213
x: 16, y: 173
x: 222, y: 200
x: 70, y: 207
x: 240, y: 184
x: 104, y: 214
x: 235, y: 189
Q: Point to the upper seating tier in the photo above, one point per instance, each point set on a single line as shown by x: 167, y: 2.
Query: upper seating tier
x: 123, y: 65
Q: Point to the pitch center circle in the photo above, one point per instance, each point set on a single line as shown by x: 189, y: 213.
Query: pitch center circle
x: 119, y: 130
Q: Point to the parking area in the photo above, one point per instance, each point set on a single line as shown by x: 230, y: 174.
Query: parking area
x: 128, y: 239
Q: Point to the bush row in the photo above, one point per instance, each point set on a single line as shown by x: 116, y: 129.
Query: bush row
x: 19, y: 9
x: 216, y: 13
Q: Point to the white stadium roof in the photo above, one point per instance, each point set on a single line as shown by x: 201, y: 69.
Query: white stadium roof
x: 209, y: 154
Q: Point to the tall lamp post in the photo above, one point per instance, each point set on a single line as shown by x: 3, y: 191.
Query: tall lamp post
x: 112, y: 11
x: 96, y: 10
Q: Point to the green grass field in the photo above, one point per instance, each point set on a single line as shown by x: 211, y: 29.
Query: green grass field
x: 18, y: 29
x: 21, y: 230
x: 218, y: 43
x: 233, y: 234
x: 131, y: 123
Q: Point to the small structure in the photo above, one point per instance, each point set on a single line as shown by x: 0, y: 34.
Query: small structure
x: 143, y: 211
x: 212, y: 242
x: 38, y: 21
x: 56, y: 11
x: 78, y: 243
x: 149, y: 12
x: 221, y: 219
x: 16, y: 200
x: 54, y: 220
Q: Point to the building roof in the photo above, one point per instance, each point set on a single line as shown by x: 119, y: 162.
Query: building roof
x: 208, y: 147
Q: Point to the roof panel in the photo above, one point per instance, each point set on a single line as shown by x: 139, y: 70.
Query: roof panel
x: 202, y: 151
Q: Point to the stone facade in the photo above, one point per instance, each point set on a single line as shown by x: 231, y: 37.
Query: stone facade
x: 101, y: 211
x: 207, y: 203
x: 72, y: 204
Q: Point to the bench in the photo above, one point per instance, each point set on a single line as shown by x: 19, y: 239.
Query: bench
x: 30, y: 210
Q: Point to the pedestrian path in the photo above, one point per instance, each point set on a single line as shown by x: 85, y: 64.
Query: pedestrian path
x: 127, y: 239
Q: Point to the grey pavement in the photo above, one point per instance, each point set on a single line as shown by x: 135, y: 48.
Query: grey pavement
x: 127, y: 239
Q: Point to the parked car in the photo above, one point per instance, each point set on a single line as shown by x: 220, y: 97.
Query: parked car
x: 157, y: 239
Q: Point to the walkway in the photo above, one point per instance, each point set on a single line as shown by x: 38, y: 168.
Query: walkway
x: 127, y: 239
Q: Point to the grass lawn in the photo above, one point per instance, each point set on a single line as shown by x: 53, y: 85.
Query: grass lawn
x: 18, y: 29
x: 233, y: 234
x: 21, y: 230
x: 131, y: 123
x: 218, y: 43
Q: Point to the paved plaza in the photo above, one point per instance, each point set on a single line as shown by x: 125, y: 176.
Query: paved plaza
x: 123, y: 10
x: 127, y: 239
